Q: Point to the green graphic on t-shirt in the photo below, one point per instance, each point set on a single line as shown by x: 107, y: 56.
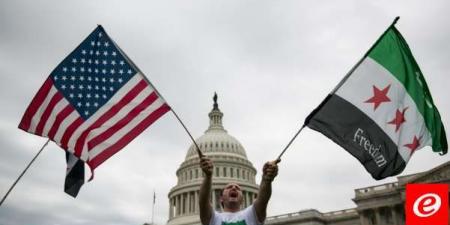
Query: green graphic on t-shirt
x: 241, y: 222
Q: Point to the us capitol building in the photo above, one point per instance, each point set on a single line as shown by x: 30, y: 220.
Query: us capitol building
x: 375, y: 205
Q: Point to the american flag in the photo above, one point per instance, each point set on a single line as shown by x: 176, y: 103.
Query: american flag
x: 94, y: 102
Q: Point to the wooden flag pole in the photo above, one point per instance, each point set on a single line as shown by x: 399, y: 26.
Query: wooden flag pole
x: 290, y: 142
x: 25, y: 170
x: 200, y: 154
x: 153, y: 205
x: 340, y: 84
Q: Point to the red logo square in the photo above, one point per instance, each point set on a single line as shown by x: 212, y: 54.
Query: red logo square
x: 427, y: 204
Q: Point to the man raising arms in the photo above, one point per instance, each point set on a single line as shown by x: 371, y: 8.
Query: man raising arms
x: 231, y: 198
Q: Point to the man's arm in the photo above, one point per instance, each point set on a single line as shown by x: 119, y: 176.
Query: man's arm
x: 206, y: 210
x: 270, y: 171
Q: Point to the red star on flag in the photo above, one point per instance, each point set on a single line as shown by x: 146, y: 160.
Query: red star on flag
x: 414, y: 145
x: 379, y: 96
x: 399, y: 119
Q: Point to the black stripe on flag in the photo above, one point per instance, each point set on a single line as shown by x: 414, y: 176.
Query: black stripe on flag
x: 357, y: 133
x: 74, y: 175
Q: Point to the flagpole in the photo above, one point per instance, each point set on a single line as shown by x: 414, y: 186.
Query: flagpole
x: 290, y: 142
x: 153, y: 206
x: 338, y: 86
x: 25, y: 170
x: 200, y: 154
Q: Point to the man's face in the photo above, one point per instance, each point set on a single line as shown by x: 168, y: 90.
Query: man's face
x: 232, y: 196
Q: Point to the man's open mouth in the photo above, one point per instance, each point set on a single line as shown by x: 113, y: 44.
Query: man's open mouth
x: 233, y: 195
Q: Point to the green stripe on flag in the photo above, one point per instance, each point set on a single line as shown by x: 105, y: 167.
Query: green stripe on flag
x: 393, y: 53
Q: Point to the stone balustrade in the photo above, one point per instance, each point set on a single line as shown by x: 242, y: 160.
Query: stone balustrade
x: 376, y: 189
x: 312, y: 214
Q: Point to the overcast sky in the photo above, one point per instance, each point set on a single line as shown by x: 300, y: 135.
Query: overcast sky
x: 271, y: 63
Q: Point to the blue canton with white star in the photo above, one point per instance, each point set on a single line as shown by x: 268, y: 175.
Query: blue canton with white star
x: 92, y: 73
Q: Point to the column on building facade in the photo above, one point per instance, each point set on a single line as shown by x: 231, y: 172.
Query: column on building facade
x: 174, y: 213
x: 177, y: 205
x: 213, y: 198
x: 363, y: 218
x: 193, y: 203
x: 174, y: 206
x: 402, y: 214
x: 188, y: 202
x: 216, y: 200
x: 247, y: 197
x: 196, y: 202
x: 182, y: 204
x: 378, y: 216
x: 394, y: 215
x: 219, y: 194
x: 188, y: 208
x: 185, y: 201
x: 170, y: 208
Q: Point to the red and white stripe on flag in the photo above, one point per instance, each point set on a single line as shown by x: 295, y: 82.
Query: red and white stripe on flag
x: 126, y: 114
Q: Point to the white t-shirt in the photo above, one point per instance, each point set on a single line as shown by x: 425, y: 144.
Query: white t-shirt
x: 246, y: 216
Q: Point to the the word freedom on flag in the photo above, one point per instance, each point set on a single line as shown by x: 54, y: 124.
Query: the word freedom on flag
x: 94, y: 102
x: 383, y: 112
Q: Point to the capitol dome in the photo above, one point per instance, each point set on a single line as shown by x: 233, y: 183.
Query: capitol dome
x: 230, y: 165
x: 216, y: 141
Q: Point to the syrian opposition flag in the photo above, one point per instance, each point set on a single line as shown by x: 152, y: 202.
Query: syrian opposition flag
x: 382, y: 112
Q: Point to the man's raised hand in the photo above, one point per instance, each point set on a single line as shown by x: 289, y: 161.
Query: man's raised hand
x: 206, y: 165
